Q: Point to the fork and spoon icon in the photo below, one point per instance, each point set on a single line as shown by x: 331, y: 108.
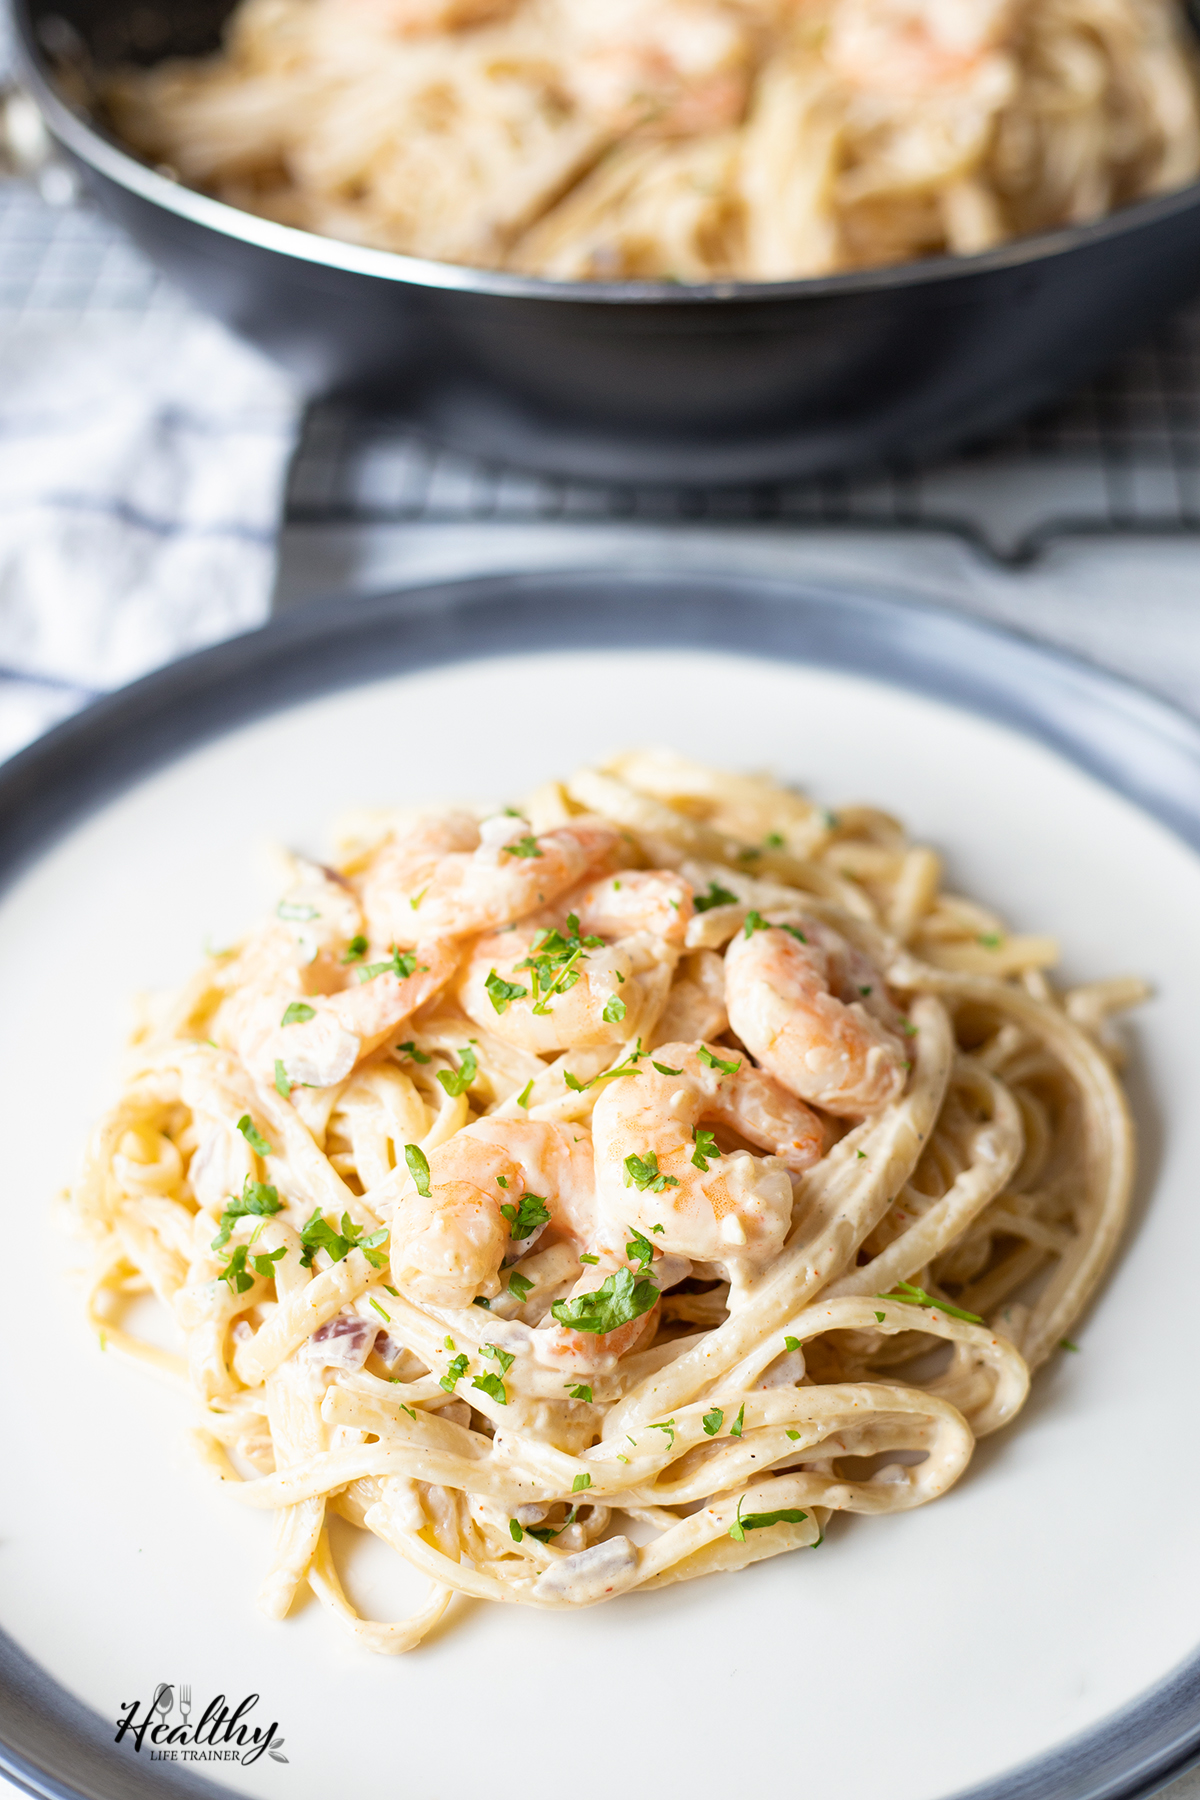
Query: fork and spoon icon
x: 162, y: 1702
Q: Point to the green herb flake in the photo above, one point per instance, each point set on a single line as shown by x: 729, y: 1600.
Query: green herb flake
x: 520, y: 1287
x: 526, y: 846
x: 794, y: 931
x: 669, y: 1428
x: 735, y: 1430
x: 716, y: 896
x: 1067, y: 1344
x: 403, y: 1408
x: 642, y: 1173
x: 909, y: 1295
x: 864, y: 991
x: 503, y: 1357
x: 523, y: 1096
x: 492, y: 1386
x: 794, y: 1435
x: 257, y: 1200
x: 298, y: 1014
x: 706, y: 1149
x: 580, y: 1483
x: 714, y: 1062
x: 283, y: 1087
x: 880, y: 1317
x: 616, y: 1302
x: 356, y: 949
x: 791, y: 1343
x: 458, y: 1081
x: 713, y: 1421
x: 593, y: 1260
x: 908, y: 1028
x: 255, y: 1139
x: 754, y: 922
x: 515, y: 1532
x: 580, y: 1391
x: 401, y: 964
x: 410, y: 1049
x: 454, y: 1373
x: 482, y: 1300
x: 418, y: 1168
x: 665, y: 1069
x: 774, y: 840
x: 528, y: 1217
x: 293, y: 909
x: 991, y: 940
x: 614, y: 1010
x: 861, y: 1155
x: 502, y: 993
x: 640, y: 1250
x: 788, y: 1515
x: 381, y: 1312
x: 318, y: 1234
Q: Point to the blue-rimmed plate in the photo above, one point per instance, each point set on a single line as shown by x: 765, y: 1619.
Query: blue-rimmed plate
x: 1033, y: 1634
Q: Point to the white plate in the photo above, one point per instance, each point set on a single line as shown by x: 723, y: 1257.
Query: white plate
x: 914, y: 1656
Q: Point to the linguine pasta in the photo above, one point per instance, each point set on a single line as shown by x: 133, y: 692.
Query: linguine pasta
x: 684, y: 140
x: 597, y: 1195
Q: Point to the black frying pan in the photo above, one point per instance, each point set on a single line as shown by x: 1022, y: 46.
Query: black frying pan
x: 736, y: 382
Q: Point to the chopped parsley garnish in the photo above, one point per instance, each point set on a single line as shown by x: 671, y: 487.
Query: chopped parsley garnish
x: 793, y: 931
x: 640, y: 1250
x: 257, y: 1200
x: 543, y: 1533
x: 295, y: 909
x: 716, y: 896
x: 735, y: 1430
x: 502, y: 1181
x: 991, y: 940
x: 794, y: 1435
x: 523, y: 1096
x: 669, y: 1428
x: 528, y: 1217
x: 616, y: 1302
x: 915, y: 1296
x: 580, y: 1392
x: 553, y: 962
x: 416, y: 899
x: 418, y: 1168
x: 642, y: 1173
x: 408, y: 1409
x: 515, y: 1531
x: 665, y: 1069
x: 791, y: 1343
x: 454, y: 1373
x: 520, y: 1287
x: 482, y: 1300
x: 238, y: 1275
x: 713, y: 1421
x: 908, y: 1028
x: 410, y: 1049
x: 1066, y: 1344
x: 503, y: 1357
x: 381, y: 1312
x: 880, y: 1317
x: 457, y: 1082
x: 714, y: 1062
x: 501, y: 993
x: 614, y: 1010
x: 526, y: 846
x: 866, y: 990
x: 255, y: 1139
x: 830, y: 821
x: 706, y: 1149
x: 319, y: 1234
x: 861, y: 1155
x: 397, y: 964
x: 755, y: 922
x: 493, y: 1386
x: 774, y: 840
x: 580, y: 1482
x: 356, y: 949
x: 788, y: 1515
x: 283, y: 1087
x: 628, y: 1067
x: 590, y: 1259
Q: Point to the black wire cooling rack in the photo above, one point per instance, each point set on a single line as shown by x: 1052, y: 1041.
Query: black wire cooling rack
x: 1122, y: 456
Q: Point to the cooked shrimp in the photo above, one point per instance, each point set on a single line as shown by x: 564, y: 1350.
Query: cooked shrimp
x: 656, y: 1171
x: 447, y: 876
x: 915, y: 44
x: 558, y: 987
x: 303, y: 944
x: 679, y: 66
x: 318, y: 1041
x: 816, y: 1013
x: 448, y: 1247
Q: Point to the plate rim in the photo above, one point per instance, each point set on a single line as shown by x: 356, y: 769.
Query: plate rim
x: 1136, y: 744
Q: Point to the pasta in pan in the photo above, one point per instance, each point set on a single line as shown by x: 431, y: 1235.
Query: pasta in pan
x: 686, y: 140
x: 595, y: 1195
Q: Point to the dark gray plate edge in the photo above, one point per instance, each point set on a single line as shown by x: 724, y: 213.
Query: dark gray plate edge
x: 1138, y: 745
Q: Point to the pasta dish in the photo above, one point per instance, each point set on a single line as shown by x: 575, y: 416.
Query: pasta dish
x: 605, y: 1192
x: 677, y: 140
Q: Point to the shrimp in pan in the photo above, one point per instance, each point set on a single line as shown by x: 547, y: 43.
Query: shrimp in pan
x: 658, y: 1170
x: 561, y: 984
x: 448, y: 877
x: 815, y: 1012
